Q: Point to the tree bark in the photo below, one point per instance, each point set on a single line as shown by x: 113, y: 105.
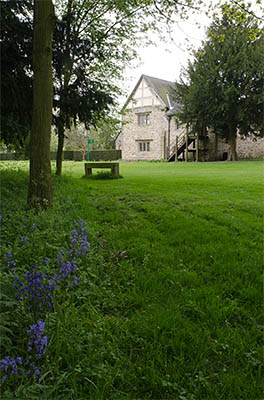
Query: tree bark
x: 232, y: 154
x: 60, y: 148
x: 40, y: 185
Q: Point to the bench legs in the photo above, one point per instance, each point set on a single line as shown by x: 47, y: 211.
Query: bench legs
x: 114, y: 170
x: 88, y: 171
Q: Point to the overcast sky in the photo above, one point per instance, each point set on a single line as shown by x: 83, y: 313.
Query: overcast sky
x: 165, y: 60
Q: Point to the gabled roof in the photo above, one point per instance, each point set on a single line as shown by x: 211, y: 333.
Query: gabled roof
x: 162, y: 88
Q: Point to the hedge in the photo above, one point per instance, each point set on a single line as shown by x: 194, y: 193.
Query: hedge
x: 98, y: 155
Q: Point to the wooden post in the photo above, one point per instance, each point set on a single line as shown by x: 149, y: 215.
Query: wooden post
x: 169, y: 122
x: 176, y: 149
x: 186, y: 150
x: 197, y: 147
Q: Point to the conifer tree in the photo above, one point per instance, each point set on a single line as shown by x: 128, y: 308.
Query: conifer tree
x: 223, y: 88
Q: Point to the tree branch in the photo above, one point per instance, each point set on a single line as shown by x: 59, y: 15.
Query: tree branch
x: 242, y: 7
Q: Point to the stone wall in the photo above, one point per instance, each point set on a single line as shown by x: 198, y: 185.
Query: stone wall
x: 249, y: 147
x: 133, y: 133
x: 213, y: 148
x: 156, y: 132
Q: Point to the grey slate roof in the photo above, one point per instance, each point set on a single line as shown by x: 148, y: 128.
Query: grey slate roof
x: 164, y: 90
x: 161, y: 87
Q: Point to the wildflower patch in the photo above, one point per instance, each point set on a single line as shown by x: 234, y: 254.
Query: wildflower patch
x: 35, y: 292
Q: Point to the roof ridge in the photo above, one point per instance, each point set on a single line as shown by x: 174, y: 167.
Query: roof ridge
x: 158, y: 79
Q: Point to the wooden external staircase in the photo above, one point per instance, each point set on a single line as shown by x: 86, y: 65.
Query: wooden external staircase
x: 179, y: 148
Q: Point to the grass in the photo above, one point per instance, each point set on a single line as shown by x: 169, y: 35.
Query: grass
x: 169, y: 304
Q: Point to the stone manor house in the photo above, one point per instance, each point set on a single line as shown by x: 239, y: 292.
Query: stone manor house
x: 151, y: 130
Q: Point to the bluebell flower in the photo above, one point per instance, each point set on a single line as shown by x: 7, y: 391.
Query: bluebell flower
x: 36, y: 289
x: 38, y: 341
x: 34, y: 369
x: 24, y: 239
x: 10, y: 366
x: 11, y: 262
x: 67, y: 261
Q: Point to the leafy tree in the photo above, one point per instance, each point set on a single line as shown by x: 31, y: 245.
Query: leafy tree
x: 224, y: 89
x: 40, y: 186
x: 80, y: 92
x: 16, y: 72
x: 107, y: 30
x: 103, y: 134
x: 93, y: 42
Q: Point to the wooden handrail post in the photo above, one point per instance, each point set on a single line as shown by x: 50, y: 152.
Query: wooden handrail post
x: 176, y: 149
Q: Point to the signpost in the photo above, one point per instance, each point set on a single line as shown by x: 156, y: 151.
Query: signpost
x: 89, y: 141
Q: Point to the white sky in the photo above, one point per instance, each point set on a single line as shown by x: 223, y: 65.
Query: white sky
x: 165, y: 60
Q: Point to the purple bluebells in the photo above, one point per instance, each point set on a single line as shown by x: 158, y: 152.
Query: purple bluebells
x: 66, y: 261
x: 33, y: 369
x: 23, y: 239
x: 36, y: 289
x: 10, y: 366
x: 79, y: 240
x: 38, y: 341
x: 66, y: 266
x: 37, y: 345
x: 11, y: 262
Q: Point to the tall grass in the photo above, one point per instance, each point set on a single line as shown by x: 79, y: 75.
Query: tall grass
x: 169, y: 302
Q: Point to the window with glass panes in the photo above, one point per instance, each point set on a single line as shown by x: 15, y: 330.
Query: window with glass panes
x: 144, y: 146
x: 143, y: 119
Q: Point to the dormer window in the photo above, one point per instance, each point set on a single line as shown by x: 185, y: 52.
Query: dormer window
x: 143, y: 119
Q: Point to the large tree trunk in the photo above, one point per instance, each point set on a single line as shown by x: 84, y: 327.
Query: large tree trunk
x: 60, y: 148
x: 40, y: 185
x: 232, y: 154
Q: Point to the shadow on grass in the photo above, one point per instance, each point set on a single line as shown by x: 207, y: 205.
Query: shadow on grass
x: 102, y: 176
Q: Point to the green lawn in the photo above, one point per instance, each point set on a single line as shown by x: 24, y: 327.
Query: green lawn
x: 169, y: 304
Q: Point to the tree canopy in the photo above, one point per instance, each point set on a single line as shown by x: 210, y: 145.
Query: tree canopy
x: 98, y: 36
x: 223, y: 88
x: 16, y: 72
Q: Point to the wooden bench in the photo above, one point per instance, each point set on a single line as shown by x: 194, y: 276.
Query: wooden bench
x: 113, y: 166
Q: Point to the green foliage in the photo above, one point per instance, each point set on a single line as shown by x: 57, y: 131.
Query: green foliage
x: 223, y: 90
x: 103, y: 175
x: 93, y: 42
x: 16, y: 73
x: 103, y: 134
